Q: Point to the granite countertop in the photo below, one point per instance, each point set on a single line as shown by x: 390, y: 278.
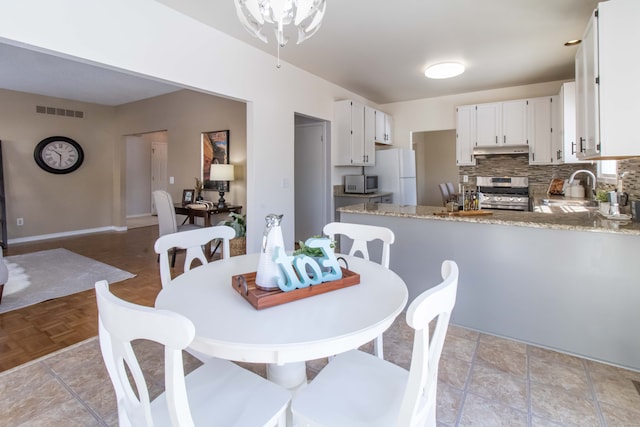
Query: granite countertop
x: 574, y: 218
x: 364, y: 196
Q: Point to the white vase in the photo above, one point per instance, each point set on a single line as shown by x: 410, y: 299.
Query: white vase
x: 268, y: 271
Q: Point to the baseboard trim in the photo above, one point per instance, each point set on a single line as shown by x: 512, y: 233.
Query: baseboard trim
x: 65, y: 234
x: 139, y: 215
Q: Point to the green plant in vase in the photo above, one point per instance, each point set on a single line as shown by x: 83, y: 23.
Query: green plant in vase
x: 238, y: 245
x: 601, y: 196
x: 303, y: 249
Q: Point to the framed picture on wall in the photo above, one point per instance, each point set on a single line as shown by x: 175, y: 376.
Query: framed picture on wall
x: 188, y: 196
x: 215, y: 149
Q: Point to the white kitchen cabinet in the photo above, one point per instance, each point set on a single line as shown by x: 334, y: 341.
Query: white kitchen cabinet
x: 487, y: 124
x: 370, y: 126
x: 383, y: 123
x: 514, y: 122
x: 566, y: 115
x: 607, y: 89
x: 465, y: 135
x: 501, y: 123
x: 540, y: 131
x: 352, y: 148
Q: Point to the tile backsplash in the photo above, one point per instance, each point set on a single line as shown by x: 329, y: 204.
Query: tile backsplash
x: 541, y: 175
x: 518, y: 165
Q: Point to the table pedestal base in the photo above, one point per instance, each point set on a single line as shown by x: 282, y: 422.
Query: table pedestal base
x: 291, y: 376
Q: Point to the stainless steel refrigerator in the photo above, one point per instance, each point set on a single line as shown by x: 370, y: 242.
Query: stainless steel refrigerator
x: 396, y: 170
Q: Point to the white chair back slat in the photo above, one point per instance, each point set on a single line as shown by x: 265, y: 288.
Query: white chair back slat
x: 361, y: 234
x: 193, y: 241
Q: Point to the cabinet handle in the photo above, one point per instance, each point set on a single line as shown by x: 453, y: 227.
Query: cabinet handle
x: 573, y: 147
x: 581, y: 144
x: 496, y: 139
x: 504, y: 139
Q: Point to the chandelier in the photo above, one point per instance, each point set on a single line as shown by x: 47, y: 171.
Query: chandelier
x: 304, y: 14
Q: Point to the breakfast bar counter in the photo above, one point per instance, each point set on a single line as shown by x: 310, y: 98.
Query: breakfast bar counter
x: 550, y: 217
x: 559, y: 280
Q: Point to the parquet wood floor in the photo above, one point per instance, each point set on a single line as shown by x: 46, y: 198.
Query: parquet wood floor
x: 37, y: 330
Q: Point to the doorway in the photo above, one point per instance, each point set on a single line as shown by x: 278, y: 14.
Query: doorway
x: 146, y: 171
x: 312, y: 186
x: 435, y: 163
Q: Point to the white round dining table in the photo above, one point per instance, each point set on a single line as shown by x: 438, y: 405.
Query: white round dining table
x: 284, y: 336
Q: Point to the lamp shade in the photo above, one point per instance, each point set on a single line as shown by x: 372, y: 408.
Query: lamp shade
x: 219, y: 172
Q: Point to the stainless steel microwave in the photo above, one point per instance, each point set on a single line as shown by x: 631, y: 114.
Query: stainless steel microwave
x: 360, y: 184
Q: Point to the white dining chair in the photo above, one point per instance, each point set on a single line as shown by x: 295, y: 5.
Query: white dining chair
x: 444, y: 191
x: 453, y: 194
x: 362, y: 234
x: 193, y: 241
x: 359, y: 389
x: 217, y: 393
x: 166, y: 212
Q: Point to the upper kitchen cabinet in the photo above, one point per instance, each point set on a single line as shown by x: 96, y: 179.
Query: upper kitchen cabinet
x: 383, y: 127
x: 566, y: 116
x: 501, y: 123
x: 465, y: 135
x: 542, y: 146
x: 514, y: 122
x: 607, y: 89
x: 487, y: 124
x: 353, y: 149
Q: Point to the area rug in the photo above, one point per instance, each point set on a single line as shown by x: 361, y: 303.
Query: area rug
x: 40, y: 276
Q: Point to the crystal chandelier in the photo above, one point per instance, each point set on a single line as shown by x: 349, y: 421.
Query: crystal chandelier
x: 304, y: 14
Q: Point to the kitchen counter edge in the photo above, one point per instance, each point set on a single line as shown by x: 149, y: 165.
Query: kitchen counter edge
x: 580, y: 221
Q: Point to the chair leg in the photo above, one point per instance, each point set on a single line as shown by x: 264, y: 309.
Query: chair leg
x: 173, y: 258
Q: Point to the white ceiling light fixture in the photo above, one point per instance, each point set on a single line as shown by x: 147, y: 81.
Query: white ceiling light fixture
x: 444, y: 70
x: 304, y: 14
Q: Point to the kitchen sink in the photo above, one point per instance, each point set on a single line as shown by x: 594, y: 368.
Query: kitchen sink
x: 569, y: 202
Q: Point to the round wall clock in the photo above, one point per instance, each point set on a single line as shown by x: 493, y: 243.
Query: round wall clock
x: 58, y: 154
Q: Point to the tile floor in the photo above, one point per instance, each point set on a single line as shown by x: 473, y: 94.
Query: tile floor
x: 483, y: 381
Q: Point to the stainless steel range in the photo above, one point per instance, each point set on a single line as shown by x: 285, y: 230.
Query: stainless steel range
x: 500, y: 192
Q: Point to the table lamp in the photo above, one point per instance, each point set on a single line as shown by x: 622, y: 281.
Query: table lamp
x: 223, y: 174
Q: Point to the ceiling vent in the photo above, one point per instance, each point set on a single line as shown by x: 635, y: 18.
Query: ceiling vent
x: 59, y: 112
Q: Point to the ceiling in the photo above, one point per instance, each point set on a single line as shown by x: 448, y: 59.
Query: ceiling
x: 377, y: 49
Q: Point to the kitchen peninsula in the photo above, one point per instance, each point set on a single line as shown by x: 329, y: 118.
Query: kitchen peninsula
x: 558, y: 280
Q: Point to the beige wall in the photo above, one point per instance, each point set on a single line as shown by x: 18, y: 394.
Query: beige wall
x: 185, y: 115
x: 93, y: 197
x: 435, y: 163
x: 52, y: 203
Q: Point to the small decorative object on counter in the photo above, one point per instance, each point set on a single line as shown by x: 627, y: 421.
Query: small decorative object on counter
x: 268, y: 271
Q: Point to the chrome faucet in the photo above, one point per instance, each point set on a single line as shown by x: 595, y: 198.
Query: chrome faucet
x: 593, y: 180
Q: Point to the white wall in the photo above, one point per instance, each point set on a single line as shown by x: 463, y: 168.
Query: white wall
x: 148, y: 38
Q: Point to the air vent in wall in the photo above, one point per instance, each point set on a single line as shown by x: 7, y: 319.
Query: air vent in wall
x: 59, y: 112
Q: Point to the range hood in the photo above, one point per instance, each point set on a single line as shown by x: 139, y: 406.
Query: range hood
x: 512, y: 150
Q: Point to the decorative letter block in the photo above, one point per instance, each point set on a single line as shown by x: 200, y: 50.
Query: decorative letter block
x: 302, y: 271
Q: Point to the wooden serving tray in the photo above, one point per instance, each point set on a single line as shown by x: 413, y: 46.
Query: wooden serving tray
x: 464, y: 213
x: 260, y: 299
